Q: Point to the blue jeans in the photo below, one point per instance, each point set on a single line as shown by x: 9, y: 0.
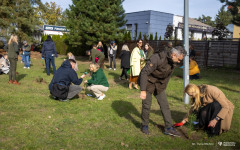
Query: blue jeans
x: 26, y: 59
x: 23, y: 57
x: 50, y: 59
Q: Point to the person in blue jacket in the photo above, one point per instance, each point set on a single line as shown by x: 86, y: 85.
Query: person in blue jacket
x: 65, y: 75
x: 48, y: 52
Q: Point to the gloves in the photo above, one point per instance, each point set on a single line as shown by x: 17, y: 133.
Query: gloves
x: 178, y: 124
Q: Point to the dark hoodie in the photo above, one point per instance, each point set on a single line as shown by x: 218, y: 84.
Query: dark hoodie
x: 48, y: 47
x: 65, y: 75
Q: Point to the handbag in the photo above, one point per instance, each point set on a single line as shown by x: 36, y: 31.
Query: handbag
x: 60, y: 91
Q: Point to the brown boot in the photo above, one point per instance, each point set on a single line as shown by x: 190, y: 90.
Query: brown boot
x: 10, y: 82
x: 15, y: 82
x: 130, y: 85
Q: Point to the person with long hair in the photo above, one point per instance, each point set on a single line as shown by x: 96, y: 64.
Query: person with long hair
x: 214, y: 111
x: 148, y: 50
x: 71, y: 56
x: 100, y: 47
x: 12, y: 49
x: 125, y: 61
x: 136, y: 63
x: 49, y: 52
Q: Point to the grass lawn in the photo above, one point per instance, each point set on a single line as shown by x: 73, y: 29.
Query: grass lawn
x: 30, y: 119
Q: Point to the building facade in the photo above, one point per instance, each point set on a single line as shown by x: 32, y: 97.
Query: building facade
x: 148, y: 22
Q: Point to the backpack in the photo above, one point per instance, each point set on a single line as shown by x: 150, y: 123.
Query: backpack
x: 60, y: 91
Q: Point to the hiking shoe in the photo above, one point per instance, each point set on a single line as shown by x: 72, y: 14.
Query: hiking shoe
x: 145, y: 130
x: 171, y: 131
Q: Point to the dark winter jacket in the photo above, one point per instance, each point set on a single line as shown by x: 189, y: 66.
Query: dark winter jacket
x: 26, y: 47
x: 155, y: 75
x: 49, y: 47
x: 65, y: 75
x: 125, y: 59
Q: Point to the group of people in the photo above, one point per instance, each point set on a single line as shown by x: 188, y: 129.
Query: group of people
x: 152, y: 71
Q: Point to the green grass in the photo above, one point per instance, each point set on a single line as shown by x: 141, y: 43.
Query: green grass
x: 30, y: 119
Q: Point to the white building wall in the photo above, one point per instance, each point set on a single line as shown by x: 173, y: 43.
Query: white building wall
x: 176, y: 20
x: 53, y: 32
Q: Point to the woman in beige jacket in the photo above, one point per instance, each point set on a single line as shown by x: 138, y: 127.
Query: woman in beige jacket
x: 136, y: 64
x: 214, y: 110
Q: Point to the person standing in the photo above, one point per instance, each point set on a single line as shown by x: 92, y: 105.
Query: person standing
x: 214, y: 110
x: 125, y: 61
x: 169, y: 46
x: 100, y: 47
x: 136, y: 62
x: 112, y: 50
x: 12, y: 49
x: 148, y: 51
x: 49, y: 52
x: 154, y: 79
x: 26, y: 52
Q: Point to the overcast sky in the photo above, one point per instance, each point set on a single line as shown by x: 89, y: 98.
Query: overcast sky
x: 176, y: 7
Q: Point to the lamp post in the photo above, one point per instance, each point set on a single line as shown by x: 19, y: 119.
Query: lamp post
x: 186, y: 47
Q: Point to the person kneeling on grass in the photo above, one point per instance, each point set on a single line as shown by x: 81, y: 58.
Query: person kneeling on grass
x: 60, y: 86
x: 214, y: 111
x: 98, y: 83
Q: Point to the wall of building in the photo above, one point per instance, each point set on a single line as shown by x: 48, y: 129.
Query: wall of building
x: 148, y: 22
x: 236, y: 31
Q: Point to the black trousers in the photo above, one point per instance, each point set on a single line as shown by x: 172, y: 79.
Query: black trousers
x: 208, y: 113
x: 124, y: 72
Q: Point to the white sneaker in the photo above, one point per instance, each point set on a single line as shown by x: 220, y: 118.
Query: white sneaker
x: 114, y: 69
x: 24, y: 67
x: 101, y: 97
x: 110, y: 68
x: 28, y: 67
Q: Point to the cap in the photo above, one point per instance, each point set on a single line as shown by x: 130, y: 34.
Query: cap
x: 24, y: 42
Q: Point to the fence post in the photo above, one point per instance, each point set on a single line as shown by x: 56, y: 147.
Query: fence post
x: 238, y: 58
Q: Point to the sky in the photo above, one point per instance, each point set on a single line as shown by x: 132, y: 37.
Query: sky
x: 176, y: 7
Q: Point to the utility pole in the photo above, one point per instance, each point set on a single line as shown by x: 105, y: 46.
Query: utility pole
x: 186, y: 47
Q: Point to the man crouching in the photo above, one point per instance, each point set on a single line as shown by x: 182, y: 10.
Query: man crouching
x: 60, y: 86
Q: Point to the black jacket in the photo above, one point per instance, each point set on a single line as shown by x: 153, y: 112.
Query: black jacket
x: 49, y: 47
x: 155, y: 75
x: 125, y: 59
x: 65, y: 75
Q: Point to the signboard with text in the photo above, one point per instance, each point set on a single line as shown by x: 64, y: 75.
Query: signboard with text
x: 55, y: 28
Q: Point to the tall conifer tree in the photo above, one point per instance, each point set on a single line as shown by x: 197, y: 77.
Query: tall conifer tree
x: 91, y: 21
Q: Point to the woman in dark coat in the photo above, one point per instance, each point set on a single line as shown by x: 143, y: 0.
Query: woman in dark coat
x: 12, y: 49
x: 125, y: 61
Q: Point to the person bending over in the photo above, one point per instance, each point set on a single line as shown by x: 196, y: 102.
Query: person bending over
x: 214, y: 111
x: 98, y: 83
x: 60, y: 86
x: 154, y: 79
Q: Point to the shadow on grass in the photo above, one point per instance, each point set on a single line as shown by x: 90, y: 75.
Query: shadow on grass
x: 126, y: 110
x: 177, y: 116
x: 116, y: 79
x: 21, y: 76
x: 226, y: 88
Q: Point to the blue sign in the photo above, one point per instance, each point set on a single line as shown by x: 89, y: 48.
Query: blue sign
x: 55, y: 28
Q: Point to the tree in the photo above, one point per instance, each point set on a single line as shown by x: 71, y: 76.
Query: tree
x: 50, y: 14
x: 220, y: 31
x: 93, y: 21
x: 233, y: 7
x: 151, y: 37
x: 169, y: 32
x: 160, y: 38
x: 207, y: 20
x: 17, y: 16
x: 145, y: 38
x: 223, y: 16
x: 140, y: 35
x: 155, y: 38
